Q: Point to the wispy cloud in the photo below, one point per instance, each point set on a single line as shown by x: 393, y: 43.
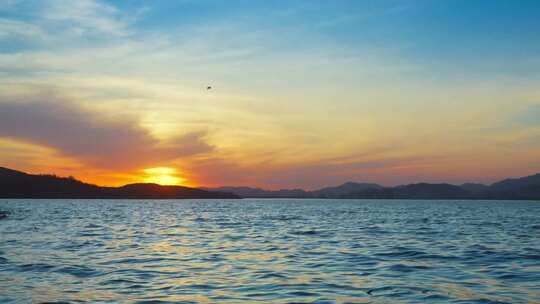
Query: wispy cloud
x: 13, y: 29
x: 54, y: 26
x: 84, y: 17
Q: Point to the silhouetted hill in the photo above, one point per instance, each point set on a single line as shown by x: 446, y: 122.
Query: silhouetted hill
x: 516, y: 183
x: 527, y: 187
x: 155, y: 191
x: 520, y: 188
x: 412, y: 191
x: 474, y: 187
x: 16, y: 184
x: 426, y: 191
x: 345, y: 190
x: 261, y: 193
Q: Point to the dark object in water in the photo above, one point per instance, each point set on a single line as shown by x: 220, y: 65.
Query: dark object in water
x: 3, y: 214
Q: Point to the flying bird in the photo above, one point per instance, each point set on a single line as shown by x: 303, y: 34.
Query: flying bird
x: 209, y: 87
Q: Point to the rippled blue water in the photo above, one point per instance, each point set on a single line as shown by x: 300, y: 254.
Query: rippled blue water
x: 272, y: 251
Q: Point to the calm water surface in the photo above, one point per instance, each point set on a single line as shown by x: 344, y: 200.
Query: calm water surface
x: 271, y: 251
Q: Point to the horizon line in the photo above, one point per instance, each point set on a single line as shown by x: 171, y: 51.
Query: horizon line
x: 269, y: 189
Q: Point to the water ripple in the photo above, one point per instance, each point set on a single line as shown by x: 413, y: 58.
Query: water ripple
x: 269, y: 251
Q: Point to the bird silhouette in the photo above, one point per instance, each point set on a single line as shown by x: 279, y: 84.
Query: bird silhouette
x: 208, y: 87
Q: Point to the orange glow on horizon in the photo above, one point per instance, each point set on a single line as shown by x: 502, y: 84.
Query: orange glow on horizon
x: 163, y: 176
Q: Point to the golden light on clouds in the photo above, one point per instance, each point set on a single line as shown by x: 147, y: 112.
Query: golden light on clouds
x: 163, y: 176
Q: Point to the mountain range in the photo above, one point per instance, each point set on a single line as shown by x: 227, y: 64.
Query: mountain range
x: 16, y: 184
x: 524, y: 188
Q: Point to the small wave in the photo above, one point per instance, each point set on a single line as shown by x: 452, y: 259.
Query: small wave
x: 312, y: 232
x: 488, y: 301
x: 229, y: 224
x: 301, y: 293
x: 117, y: 281
x: 395, y: 291
x: 284, y: 218
x: 271, y: 275
x: 92, y: 226
x: 435, y: 297
x: 407, y: 268
x: 78, y: 271
x: 142, y: 274
x: 520, y: 277
x: 401, y: 253
x: 38, y: 267
x: 88, y: 234
x: 137, y: 261
x: 417, y: 220
x: 438, y: 257
x: 375, y: 230
x: 305, y: 232
x: 200, y: 286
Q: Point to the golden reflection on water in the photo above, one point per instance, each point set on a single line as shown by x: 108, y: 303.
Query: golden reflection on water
x: 258, y: 256
x: 178, y: 249
x: 466, y: 294
x: 197, y: 298
x: 301, y: 279
x: 345, y: 299
x: 162, y: 247
x: 48, y: 293
x: 358, y: 281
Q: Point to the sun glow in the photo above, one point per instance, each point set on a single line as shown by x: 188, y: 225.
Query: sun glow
x: 163, y: 176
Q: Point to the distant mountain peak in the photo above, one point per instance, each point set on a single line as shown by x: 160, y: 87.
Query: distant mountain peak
x: 520, y: 182
x: 522, y: 188
x: 346, y: 188
x: 17, y: 184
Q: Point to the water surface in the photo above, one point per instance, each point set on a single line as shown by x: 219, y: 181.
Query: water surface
x: 270, y: 251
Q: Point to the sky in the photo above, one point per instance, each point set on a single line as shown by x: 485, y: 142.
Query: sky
x: 304, y: 94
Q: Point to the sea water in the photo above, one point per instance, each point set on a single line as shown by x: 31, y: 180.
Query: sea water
x: 270, y: 251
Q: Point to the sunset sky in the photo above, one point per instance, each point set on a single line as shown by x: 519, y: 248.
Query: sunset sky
x: 304, y: 93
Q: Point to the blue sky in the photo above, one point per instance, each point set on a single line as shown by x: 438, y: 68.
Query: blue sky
x: 430, y: 32
x: 500, y: 37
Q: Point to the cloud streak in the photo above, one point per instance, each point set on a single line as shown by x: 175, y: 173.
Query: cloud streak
x: 106, y: 140
x: 86, y: 16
